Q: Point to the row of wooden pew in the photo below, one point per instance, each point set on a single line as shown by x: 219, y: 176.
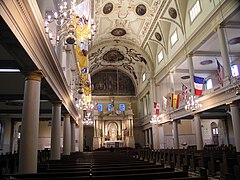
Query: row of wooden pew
x: 215, y: 162
x: 104, y: 165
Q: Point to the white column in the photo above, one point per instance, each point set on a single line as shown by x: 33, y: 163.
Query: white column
x: 198, y: 129
x: 224, y: 52
x: 55, y: 131
x: 191, y: 73
x: 73, y: 136
x: 94, y: 128
x: 66, y: 135
x: 80, y: 142
x: 175, y: 135
x: 153, y: 99
x: 236, y: 124
x: 150, y: 137
x: 144, y: 106
x: 30, y: 124
x: 146, y: 136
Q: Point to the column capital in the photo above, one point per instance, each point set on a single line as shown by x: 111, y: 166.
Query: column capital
x: 233, y: 104
x: 56, y: 103
x: 34, y: 75
x: 219, y: 26
x: 67, y: 115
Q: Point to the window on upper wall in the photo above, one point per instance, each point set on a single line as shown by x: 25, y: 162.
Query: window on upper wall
x: 235, y: 71
x: 144, y: 76
x: 160, y: 56
x: 195, y: 10
x: 99, y: 107
x: 209, y: 84
x: 174, y: 37
x: 122, y: 107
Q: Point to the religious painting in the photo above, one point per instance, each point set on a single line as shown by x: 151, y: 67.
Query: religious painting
x: 112, y: 82
x: 172, y: 13
x: 112, y: 56
x: 108, y: 8
x: 118, y: 32
x: 158, y: 36
x: 141, y: 9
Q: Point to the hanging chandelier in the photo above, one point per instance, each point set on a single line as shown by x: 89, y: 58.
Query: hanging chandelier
x: 192, y: 104
x: 87, y: 118
x: 155, y: 120
x: 71, y: 24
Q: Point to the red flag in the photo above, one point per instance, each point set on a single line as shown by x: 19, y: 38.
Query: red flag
x: 155, y: 105
x: 175, y: 100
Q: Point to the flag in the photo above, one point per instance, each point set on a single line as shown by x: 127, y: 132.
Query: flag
x: 184, y: 91
x: 220, y: 72
x: 175, y: 100
x: 154, y: 105
x: 164, y: 103
x: 198, y: 85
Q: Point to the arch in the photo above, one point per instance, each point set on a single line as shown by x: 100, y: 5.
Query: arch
x: 113, y: 82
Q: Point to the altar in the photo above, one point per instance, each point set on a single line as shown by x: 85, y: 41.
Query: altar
x: 119, y: 143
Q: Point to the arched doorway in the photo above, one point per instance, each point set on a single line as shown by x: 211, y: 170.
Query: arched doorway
x: 215, y: 133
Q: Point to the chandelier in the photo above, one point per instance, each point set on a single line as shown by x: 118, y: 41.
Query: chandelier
x: 72, y: 24
x: 192, y: 104
x: 155, y: 120
x: 87, y: 118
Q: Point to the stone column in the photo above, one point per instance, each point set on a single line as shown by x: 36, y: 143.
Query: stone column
x: 175, y: 135
x: 30, y: 123
x: 236, y: 124
x: 55, y: 131
x: 191, y: 73
x: 73, y: 136
x: 224, y: 52
x: 150, y: 137
x: 153, y: 99
x: 66, y: 135
x: 80, y: 143
x: 144, y: 106
x: 198, y: 129
x: 147, y: 136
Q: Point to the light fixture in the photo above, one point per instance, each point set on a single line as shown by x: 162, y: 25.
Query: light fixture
x: 9, y: 70
x: 192, y: 104
x: 155, y: 120
x: 71, y: 23
x: 87, y: 117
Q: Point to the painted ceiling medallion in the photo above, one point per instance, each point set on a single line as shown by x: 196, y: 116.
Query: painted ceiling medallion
x: 234, y: 41
x: 172, y: 13
x: 158, y: 36
x: 118, y: 32
x: 185, y: 77
x: 141, y: 9
x: 206, y: 62
x: 108, y: 8
x: 113, y: 56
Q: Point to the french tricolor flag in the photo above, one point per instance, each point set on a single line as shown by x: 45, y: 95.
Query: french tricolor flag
x: 198, y: 85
